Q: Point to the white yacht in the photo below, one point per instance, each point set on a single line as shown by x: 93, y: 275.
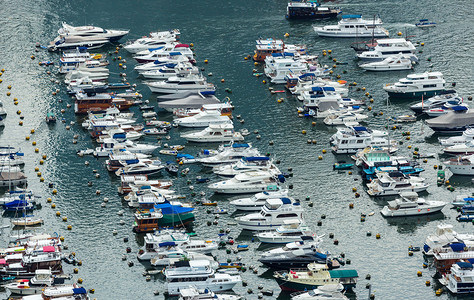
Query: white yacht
x: 203, y: 119
x: 246, y: 164
x: 436, y: 101
x: 291, y: 231
x: 91, y: 31
x: 230, y: 154
x: 416, y: 86
x: 272, y: 215
x: 345, y: 118
x: 385, y: 48
x: 389, y: 184
x: 72, y: 42
x: 451, y: 105
x: 180, y: 84
x: 172, y: 59
x: 147, y: 56
x: 169, y: 70
x: 460, y: 149
x: 167, y: 239
x: 248, y: 182
x: 409, y: 204
x: 312, y: 98
x: 198, y: 274
x: 355, y: 138
x: 353, y: 26
x: 467, y: 136
x: 119, y: 135
x: 33, y: 286
x: 324, y: 292
x: 257, y: 201
x: 154, y: 40
x: 459, y: 279
x: 140, y: 168
x: 214, y: 133
x: 169, y: 258
x: 392, y: 63
x: 196, y: 294
x: 443, y: 236
x: 278, y: 65
x: 461, y: 165
x: 77, y: 75
x: 110, y: 145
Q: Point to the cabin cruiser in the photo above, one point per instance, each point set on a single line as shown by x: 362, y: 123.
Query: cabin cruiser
x: 452, y: 105
x: 229, y: 155
x: 328, y: 291
x: 151, y: 55
x: 443, y: 236
x: 457, y: 120
x: 140, y: 168
x: 314, y: 276
x: 84, y: 83
x: 248, y: 182
x: 298, y: 9
x: 169, y: 70
x: 460, y: 149
x: 385, y: 48
x: 291, y: 231
x: 203, y: 119
x: 167, y: 239
x: 119, y: 135
x: 72, y: 42
x: 257, y: 201
x: 355, y: 138
x: 173, y: 58
x: 193, y: 293
x: 392, y: 63
x: 353, y: 26
x: 35, y: 285
x: 60, y: 292
x: 409, y: 204
x: 169, y: 258
x: 110, y: 145
x: 436, y: 101
x: 185, y: 101
x: 199, y: 274
x: 389, y: 184
x: 246, y: 164
x: 462, y: 165
x: 459, y: 279
x: 345, y: 118
x: 77, y: 75
x: 154, y: 40
x: 278, y: 65
x: 179, y: 84
x: 312, y: 98
x: 416, y: 86
x: 272, y: 215
x: 91, y: 31
x: 214, y: 133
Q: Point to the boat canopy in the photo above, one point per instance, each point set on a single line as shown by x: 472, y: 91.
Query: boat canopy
x: 360, y: 128
x: 188, y: 156
x: 320, y: 255
x: 351, y: 16
x: 240, y: 145
x: 457, y: 247
x: 256, y: 158
x: 317, y: 89
x: 157, y: 48
x: 175, y: 53
x: 169, y: 209
x: 459, y: 108
x: 464, y: 265
x: 132, y: 161
x: 78, y: 291
x: 343, y: 273
x: 307, y: 75
x: 329, y: 88
x: 286, y: 200
x: 277, y: 54
x: 469, y: 199
x: 424, y: 20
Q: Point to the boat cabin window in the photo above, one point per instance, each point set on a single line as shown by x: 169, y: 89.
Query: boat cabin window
x: 429, y: 85
x: 293, y: 215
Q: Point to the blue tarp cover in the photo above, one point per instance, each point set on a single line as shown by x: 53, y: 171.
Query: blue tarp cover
x: 457, y: 247
x: 166, y: 244
x: 329, y: 88
x: 256, y: 158
x: 360, y: 128
x: 464, y: 265
x: 307, y: 75
x: 204, y: 93
x: 351, y: 16
x: 317, y: 89
x: 184, y: 155
x: 240, y: 145
x: 80, y: 290
x: 169, y: 209
x: 459, y: 108
x: 286, y: 200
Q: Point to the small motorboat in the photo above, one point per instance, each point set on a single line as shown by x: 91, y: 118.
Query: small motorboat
x: 342, y: 166
x: 149, y: 114
x: 207, y: 202
x: 169, y: 152
x: 425, y: 23
x: 404, y: 118
x: 220, y: 211
x: 50, y: 118
x: 231, y: 265
x: 27, y: 221
x: 146, y: 107
x: 413, y: 248
x: 172, y: 168
x: 241, y: 248
x: 155, y: 131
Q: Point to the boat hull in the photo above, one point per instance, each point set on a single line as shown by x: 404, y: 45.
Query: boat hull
x: 414, y: 212
x: 412, y: 95
x: 466, y: 170
x: 240, y: 190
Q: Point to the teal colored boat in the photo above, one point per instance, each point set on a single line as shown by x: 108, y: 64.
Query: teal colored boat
x: 342, y: 166
x: 176, y: 220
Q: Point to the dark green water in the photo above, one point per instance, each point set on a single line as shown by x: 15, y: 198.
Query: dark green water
x: 224, y: 32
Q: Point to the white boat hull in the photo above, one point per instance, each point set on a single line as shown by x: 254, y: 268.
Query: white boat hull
x: 376, y: 193
x: 386, y: 212
x: 467, y: 170
x: 174, y: 288
x: 240, y: 190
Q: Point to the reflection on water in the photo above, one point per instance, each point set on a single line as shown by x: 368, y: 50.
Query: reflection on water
x: 408, y: 225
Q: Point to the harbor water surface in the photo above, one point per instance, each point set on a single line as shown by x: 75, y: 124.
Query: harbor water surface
x: 224, y: 32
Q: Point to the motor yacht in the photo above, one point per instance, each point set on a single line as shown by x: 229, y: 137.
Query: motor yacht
x: 416, y: 86
x: 443, y: 237
x: 328, y: 291
x: 169, y: 258
x: 246, y: 164
x: 272, y: 215
x: 278, y: 65
x: 345, y: 118
x: 214, y: 133
x: 35, y: 285
x: 355, y: 138
x: 229, y: 155
x: 257, y: 201
x: 353, y: 26
x: 460, y: 149
x: 389, y: 184
x: 436, y: 101
x: 199, y: 274
x: 179, y: 84
x: 461, y: 165
x: 203, y: 119
x: 169, y: 70
x: 72, y: 42
x: 154, y: 40
x: 110, y: 145
x: 140, y: 168
x: 459, y: 279
x: 467, y: 136
x: 147, y: 56
x: 92, y: 31
x: 77, y: 75
x: 196, y: 294
x: 172, y: 59
x: 248, y: 182
x: 312, y: 98
x: 409, y: 204
x: 385, y: 48
x: 186, y: 101
x: 392, y: 63
x: 291, y: 231
x: 451, y: 105
x: 297, y: 9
